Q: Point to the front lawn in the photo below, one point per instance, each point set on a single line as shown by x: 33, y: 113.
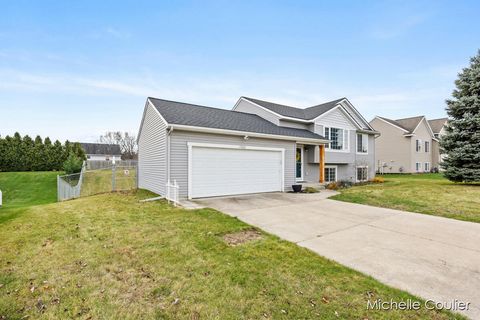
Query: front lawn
x: 111, y: 257
x: 423, y: 193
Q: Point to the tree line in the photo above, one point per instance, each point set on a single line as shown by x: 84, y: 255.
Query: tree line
x: 19, y: 153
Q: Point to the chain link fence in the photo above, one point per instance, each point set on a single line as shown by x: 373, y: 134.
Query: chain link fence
x: 104, y: 164
x: 90, y: 182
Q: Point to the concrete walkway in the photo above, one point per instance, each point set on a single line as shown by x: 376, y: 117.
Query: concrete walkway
x: 432, y: 257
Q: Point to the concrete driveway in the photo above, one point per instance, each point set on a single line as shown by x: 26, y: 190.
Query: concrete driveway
x: 432, y: 257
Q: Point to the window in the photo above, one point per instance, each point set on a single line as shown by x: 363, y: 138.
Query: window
x: 327, y: 135
x: 418, y: 145
x: 362, y: 143
x: 338, y: 137
x: 418, y: 166
x: 427, y: 166
x: 427, y: 146
x: 330, y: 174
x: 362, y: 173
x: 299, y: 164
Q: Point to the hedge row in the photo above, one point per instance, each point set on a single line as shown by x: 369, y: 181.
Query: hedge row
x: 19, y: 153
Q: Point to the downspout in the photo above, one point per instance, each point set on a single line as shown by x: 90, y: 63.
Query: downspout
x: 169, y: 132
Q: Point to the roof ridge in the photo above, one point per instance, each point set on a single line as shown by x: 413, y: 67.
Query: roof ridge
x: 444, y: 118
x: 283, y: 105
x: 191, y: 104
x: 208, y: 107
x: 407, y: 118
x: 321, y: 104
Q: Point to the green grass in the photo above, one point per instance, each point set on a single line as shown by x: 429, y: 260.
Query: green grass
x: 111, y: 257
x: 423, y: 193
x: 100, y: 181
x: 22, y: 189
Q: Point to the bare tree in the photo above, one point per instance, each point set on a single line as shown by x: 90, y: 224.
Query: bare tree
x: 127, y: 142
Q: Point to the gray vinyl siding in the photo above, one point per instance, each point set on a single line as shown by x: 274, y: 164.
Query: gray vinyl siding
x: 152, y: 153
x: 297, y: 125
x: 179, y: 154
x: 346, y: 162
x: 248, y: 107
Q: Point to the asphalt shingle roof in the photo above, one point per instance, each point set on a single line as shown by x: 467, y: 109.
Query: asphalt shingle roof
x: 408, y: 124
x: 101, y: 148
x: 201, y: 116
x: 437, y: 124
x: 293, y: 112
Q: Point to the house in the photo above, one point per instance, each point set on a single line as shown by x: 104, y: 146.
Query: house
x: 101, y: 151
x: 407, y: 145
x: 439, y: 129
x: 258, y: 146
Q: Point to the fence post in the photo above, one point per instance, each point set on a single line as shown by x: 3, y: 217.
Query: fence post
x: 58, y: 188
x: 175, y: 188
x: 113, y: 177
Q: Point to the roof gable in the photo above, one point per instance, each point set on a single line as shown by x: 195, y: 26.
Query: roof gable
x: 407, y: 124
x: 312, y: 113
x: 207, y: 117
x: 294, y: 112
x: 437, y: 124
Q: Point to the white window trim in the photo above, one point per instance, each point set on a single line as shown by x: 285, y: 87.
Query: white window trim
x: 425, y: 165
x: 424, y: 146
x: 356, y: 143
x: 419, y: 144
x: 347, y: 131
x: 191, y: 145
x: 356, y: 173
x: 302, y: 153
x: 420, y: 166
x: 336, y: 173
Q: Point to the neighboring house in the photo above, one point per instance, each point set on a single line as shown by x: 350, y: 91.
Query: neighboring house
x: 438, y: 127
x: 101, y: 151
x: 258, y: 146
x: 405, y: 145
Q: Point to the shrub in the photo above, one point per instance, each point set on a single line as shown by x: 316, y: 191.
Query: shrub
x: 73, y: 164
x: 377, y: 180
x: 342, y: 184
x: 332, y: 186
x: 311, y: 190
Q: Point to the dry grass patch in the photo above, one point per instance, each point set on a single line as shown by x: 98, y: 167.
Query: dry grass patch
x: 241, y: 237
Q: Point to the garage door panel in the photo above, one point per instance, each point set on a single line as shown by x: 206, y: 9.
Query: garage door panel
x: 224, y: 171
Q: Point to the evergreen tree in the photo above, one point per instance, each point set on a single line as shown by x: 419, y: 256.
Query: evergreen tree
x: 461, y: 144
x: 28, y: 153
x: 57, y: 154
x: 47, y: 155
x: 38, y: 157
x: 17, y: 160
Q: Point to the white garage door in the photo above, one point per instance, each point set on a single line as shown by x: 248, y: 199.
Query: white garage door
x: 223, y: 171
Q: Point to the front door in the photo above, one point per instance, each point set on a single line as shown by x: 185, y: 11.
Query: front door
x: 299, y: 164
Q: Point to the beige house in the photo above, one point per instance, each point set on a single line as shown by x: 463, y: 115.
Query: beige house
x: 408, y: 145
x: 438, y: 128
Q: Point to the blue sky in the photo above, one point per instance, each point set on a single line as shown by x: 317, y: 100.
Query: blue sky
x: 75, y: 69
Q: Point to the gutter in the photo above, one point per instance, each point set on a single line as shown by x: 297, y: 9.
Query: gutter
x: 248, y: 134
x: 376, y: 133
